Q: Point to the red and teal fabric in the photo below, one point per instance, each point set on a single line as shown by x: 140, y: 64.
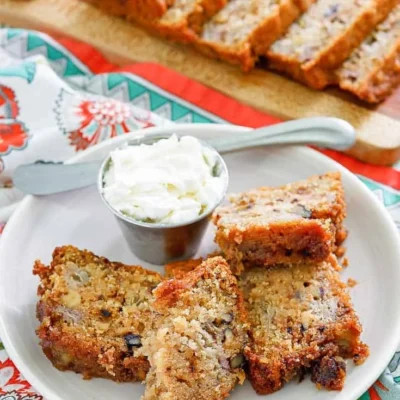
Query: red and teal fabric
x: 83, y: 99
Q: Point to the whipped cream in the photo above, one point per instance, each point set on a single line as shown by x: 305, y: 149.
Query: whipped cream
x: 168, y: 182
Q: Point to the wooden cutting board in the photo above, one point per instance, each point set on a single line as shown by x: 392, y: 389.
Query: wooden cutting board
x: 378, y: 128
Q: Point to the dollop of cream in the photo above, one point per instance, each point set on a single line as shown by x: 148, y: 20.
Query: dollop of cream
x: 170, y: 182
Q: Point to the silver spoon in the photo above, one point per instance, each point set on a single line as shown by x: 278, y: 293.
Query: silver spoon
x: 333, y: 133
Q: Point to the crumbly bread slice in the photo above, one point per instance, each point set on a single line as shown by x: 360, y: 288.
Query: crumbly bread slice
x: 301, y: 320
x: 179, y: 269
x: 244, y: 29
x: 323, y: 37
x: 298, y: 222
x: 140, y: 9
x: 94, y: 313
x: 196, y: 346
x: 184, y: 19
x: 373, y: 70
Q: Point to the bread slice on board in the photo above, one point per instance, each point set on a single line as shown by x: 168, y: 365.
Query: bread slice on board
x: 372, y: 71
x: 244, y: 29
x: 323, y: 37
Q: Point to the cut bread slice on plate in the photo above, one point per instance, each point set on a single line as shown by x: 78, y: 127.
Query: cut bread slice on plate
x: 196, y: 346
x: 302, y: 321
x: 300, y: 221
x: 94, y: 313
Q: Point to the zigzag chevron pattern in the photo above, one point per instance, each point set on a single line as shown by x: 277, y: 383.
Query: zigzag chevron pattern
x: 129, y: 89
x: 24, y: 44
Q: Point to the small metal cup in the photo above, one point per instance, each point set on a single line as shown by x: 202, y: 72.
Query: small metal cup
x: 162, y: 243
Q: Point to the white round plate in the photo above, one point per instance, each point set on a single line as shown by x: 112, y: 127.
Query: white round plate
x: 80, y: 218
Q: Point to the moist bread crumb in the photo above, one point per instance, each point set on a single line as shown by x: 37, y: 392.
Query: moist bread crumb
x: 301, y: 320
x: 94, y: 314
x: 196, y: 344
x: 244, y: 30
x: 323, y: 37
x: 372, y: 71
x: 297, y: 222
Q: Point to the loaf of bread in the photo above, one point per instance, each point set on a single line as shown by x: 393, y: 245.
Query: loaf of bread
x: 307, y: 39
x: 184, y: 19
x: 321, y: 39
x: 372, y: 71
x: 243, y: 30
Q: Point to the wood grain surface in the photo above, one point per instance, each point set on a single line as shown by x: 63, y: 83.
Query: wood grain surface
x: 378, y: 128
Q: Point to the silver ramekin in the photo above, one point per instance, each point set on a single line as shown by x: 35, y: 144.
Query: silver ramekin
x: 160, y: 244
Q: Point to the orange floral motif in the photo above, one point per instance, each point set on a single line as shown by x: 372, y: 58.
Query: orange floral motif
x: 88, y: 121
x: 15, y: 381
x: 13, y: 134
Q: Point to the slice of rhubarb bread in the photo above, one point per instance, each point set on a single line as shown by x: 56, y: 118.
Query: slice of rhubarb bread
x: 94, y: 314
x: 196, y: 346
x: 297, y: 222
x: 302, y: 321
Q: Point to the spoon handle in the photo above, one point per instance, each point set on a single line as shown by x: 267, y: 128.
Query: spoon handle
x: 44, y: 179
x: 326, y: 132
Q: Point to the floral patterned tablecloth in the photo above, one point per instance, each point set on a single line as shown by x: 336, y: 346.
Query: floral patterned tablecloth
x: 59, y: 96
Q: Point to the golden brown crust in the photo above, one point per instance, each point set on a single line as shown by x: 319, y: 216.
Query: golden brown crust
x: 183, y: 26
x: 289, y: 224
x: 141, y: 9
x: 196, y: 346
x: 306, y: 305
x: 179, y: 269
x: 169, y: 291
x: 381, y: 81
x: 320, y: 71
x: 257, y: 43
x: 89, y: 310
x: 301, y: 320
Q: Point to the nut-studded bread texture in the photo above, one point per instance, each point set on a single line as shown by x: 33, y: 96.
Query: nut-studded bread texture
x: 196, y: 346
x: 302, y: 320
x: 244, y: 29
x: 94, y: 314
x: 372, y: 71
x: 323, y: 37
x: 297, y: 222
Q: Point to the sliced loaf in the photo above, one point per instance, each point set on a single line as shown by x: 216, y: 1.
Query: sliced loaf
x: 184, y: 19
x: 373, y: 70
x: 322, y: 38
x: 245, y: 29
x: 141, y: 9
